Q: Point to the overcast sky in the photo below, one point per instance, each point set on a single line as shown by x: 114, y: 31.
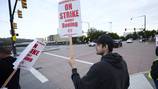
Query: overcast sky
x: 41, y: 17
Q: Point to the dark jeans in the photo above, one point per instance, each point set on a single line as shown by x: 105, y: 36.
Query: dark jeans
x: 156, y: 83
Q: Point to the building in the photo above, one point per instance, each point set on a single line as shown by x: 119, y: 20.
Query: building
x: 57, y: 39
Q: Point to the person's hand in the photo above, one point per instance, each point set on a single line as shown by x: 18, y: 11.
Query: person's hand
x: 72, y: 62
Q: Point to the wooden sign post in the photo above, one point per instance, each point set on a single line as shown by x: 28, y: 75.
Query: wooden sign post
x: 71, y: 49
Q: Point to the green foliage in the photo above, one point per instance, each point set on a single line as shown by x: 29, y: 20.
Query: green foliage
x: 93, y: 34
x: 114, y: 35
x: 144, y: 34
x: 123, y: 38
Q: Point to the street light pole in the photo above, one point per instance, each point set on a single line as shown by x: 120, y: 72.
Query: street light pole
x: 144, y: 22
x: 11, y: 24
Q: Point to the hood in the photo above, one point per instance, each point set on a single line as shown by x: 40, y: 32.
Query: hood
x: 114, y: 59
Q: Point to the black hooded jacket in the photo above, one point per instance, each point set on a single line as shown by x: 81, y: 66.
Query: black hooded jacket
x: 110, y: 73
x: 6, y: 68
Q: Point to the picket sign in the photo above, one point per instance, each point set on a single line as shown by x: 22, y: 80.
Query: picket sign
x: 29, y: 56
x: 27, y: 59
x: 70, y: 23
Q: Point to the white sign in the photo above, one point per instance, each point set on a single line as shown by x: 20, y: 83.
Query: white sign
x: 69, y: 18
x: 156, y: 40
x: 30, y: 55
x: 28, y: 58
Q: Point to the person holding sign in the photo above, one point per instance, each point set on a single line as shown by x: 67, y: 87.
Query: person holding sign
x: 109, y: 73
x: 6, y: 68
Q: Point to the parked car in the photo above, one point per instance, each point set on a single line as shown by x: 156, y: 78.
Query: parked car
x: 129, y: 41
x: 91, y: 44
x: 117, y: 43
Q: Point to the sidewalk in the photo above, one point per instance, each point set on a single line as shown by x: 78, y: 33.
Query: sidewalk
x: 140, y: 81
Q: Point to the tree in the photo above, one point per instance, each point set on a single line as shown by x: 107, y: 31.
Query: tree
x: 141, y: 33
x: 93, y: 34
x: 83, y: 39
x: 135, y: 36
x: 114, y: 35
x: 123, y: 38
x: 129, y: 36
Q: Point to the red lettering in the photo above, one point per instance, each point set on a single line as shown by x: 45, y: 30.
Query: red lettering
x: 72, y: 24
x: 35, y: 46
x: 68, y: 6
x: 69, y: 14
x: 34, y: 52
x: 29, y: 59
x: 31, y: 51
x: 61, y: 16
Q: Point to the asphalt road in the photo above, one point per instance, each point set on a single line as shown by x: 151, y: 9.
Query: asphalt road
x: 53, y: 64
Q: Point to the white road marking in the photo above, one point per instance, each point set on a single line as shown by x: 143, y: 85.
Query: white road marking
x: 38, y: 75
x: 67, y: 58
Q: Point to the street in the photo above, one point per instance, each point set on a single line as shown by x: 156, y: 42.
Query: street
x: 53, y: 64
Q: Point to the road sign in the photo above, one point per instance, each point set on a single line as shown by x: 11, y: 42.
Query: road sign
x: 69, y: 18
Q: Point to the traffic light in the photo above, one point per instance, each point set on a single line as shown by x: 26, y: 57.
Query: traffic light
x: 125, y: 29
x: 144, y: 29
x: 14, y: 38
x: 19, y: 14
x: 14, y: 25
x: 24, y: 4
x: 134, y: 29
